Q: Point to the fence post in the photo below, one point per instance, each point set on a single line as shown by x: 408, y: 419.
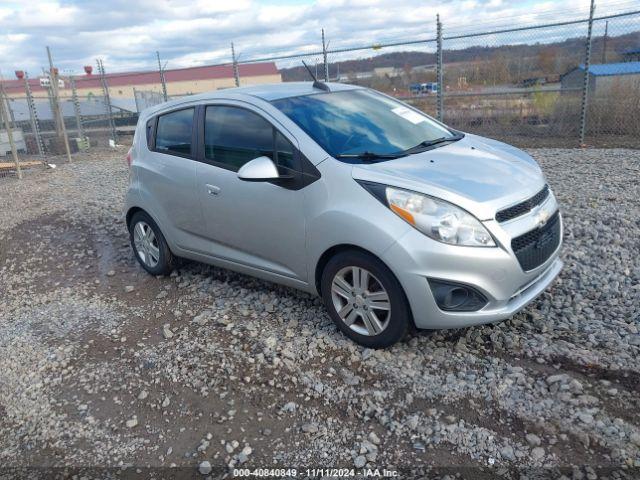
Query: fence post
x: 107, y: 100
x: 585, y: 85
x: 162, y: 81
x: 33, y: 115
x: 439, y: 74
x: 236, y: 72
x: 4, y: 114
x: 324, y: 57
x: 53, y: 78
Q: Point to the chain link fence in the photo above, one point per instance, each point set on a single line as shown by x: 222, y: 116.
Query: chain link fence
x: 44, y: 122
x: 613, y: 108
x: 145, y: 99
x: 524, y: 85
x: 507, y: 84
x: 521, y: 85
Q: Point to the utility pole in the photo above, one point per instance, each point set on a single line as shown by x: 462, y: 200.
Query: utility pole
x: 324, y: 56
x: 585, y: 85
x: 162, y: 80
x: 53, y: 76
x: 604, y: 42
x: 236, y: 72
x: 4, y: 116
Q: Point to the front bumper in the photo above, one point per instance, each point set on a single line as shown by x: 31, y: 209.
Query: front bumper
x: 495, y: 272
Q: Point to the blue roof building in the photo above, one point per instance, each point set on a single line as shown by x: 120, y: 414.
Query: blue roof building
x: 603, y: 76
x: 624, y: 68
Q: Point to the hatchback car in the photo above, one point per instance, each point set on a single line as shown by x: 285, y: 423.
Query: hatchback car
x: 394, y: 219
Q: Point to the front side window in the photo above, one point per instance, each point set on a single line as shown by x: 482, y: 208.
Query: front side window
x: 174, y: 130
x: 356, y: 122
x: 233, y: 136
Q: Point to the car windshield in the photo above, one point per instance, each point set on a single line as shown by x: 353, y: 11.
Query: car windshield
x: 364, y: 124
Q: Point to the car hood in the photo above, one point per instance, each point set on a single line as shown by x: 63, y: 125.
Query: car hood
x: 475, y: 173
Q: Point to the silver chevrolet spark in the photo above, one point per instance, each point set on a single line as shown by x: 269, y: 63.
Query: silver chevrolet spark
x: 394, y: 219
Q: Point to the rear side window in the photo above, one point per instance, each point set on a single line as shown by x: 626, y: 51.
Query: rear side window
x: 174, y: 132
x: 233, y: 136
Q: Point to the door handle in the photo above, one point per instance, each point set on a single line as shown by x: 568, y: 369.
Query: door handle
x: 212, y: 189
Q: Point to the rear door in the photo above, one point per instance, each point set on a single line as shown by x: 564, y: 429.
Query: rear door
x: 257, y: 224
x: 169, y: 173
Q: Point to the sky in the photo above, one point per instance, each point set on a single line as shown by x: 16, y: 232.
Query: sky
x: 126, y: 34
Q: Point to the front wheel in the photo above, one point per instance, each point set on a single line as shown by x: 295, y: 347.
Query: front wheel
x: 365, y: 300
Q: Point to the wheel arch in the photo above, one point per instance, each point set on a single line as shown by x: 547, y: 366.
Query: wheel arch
x: 132, y: 211
x: 336, y: 249
x: 331, y: 252
x: 135, y: 209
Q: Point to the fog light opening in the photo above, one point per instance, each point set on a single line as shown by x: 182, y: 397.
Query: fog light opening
x: 456, y: 297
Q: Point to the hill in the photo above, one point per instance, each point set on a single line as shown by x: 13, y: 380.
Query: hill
x: 481, y: 63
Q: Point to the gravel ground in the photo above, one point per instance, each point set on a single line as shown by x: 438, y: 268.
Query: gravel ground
x: 103, y: 365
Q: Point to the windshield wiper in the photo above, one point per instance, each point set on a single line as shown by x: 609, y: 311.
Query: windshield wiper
x: 370, y: 156
x: 430, y: 143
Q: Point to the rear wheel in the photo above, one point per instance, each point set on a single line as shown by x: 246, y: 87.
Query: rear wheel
x: 150, y: 247
x: 365, y: 300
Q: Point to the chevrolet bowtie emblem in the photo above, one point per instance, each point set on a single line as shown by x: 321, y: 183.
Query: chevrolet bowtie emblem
x: 541, y: 217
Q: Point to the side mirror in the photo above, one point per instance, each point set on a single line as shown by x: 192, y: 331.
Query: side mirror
x: 259, y: 169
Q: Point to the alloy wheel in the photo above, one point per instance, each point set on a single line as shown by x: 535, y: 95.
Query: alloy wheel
x: 146, y: 244
x: 361, y: 301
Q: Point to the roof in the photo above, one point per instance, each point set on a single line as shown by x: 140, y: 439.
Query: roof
x: 267, y: 92
x: 633, y: 51
x: 609, y: 69
x: 150, y: 77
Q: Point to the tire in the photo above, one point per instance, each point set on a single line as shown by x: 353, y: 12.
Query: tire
x: 393, y: 322
x: 160, y: 260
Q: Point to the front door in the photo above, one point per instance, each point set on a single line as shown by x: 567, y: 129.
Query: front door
x: 257, y: 224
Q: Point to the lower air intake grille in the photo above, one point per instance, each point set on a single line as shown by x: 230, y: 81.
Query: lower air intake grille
x: 535, y: 247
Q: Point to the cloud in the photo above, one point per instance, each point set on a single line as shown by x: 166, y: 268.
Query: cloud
x: 127, y: 33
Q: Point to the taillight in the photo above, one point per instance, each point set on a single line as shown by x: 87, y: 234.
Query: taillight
x: 129, y: 158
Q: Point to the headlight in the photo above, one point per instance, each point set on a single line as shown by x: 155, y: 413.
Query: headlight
x: 438, y: 219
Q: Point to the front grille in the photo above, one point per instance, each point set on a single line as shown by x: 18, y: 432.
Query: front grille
x: 535, y: 247
x: 523, y: 207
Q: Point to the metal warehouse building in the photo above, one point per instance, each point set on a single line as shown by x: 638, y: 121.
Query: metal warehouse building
x: 604, y: 77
